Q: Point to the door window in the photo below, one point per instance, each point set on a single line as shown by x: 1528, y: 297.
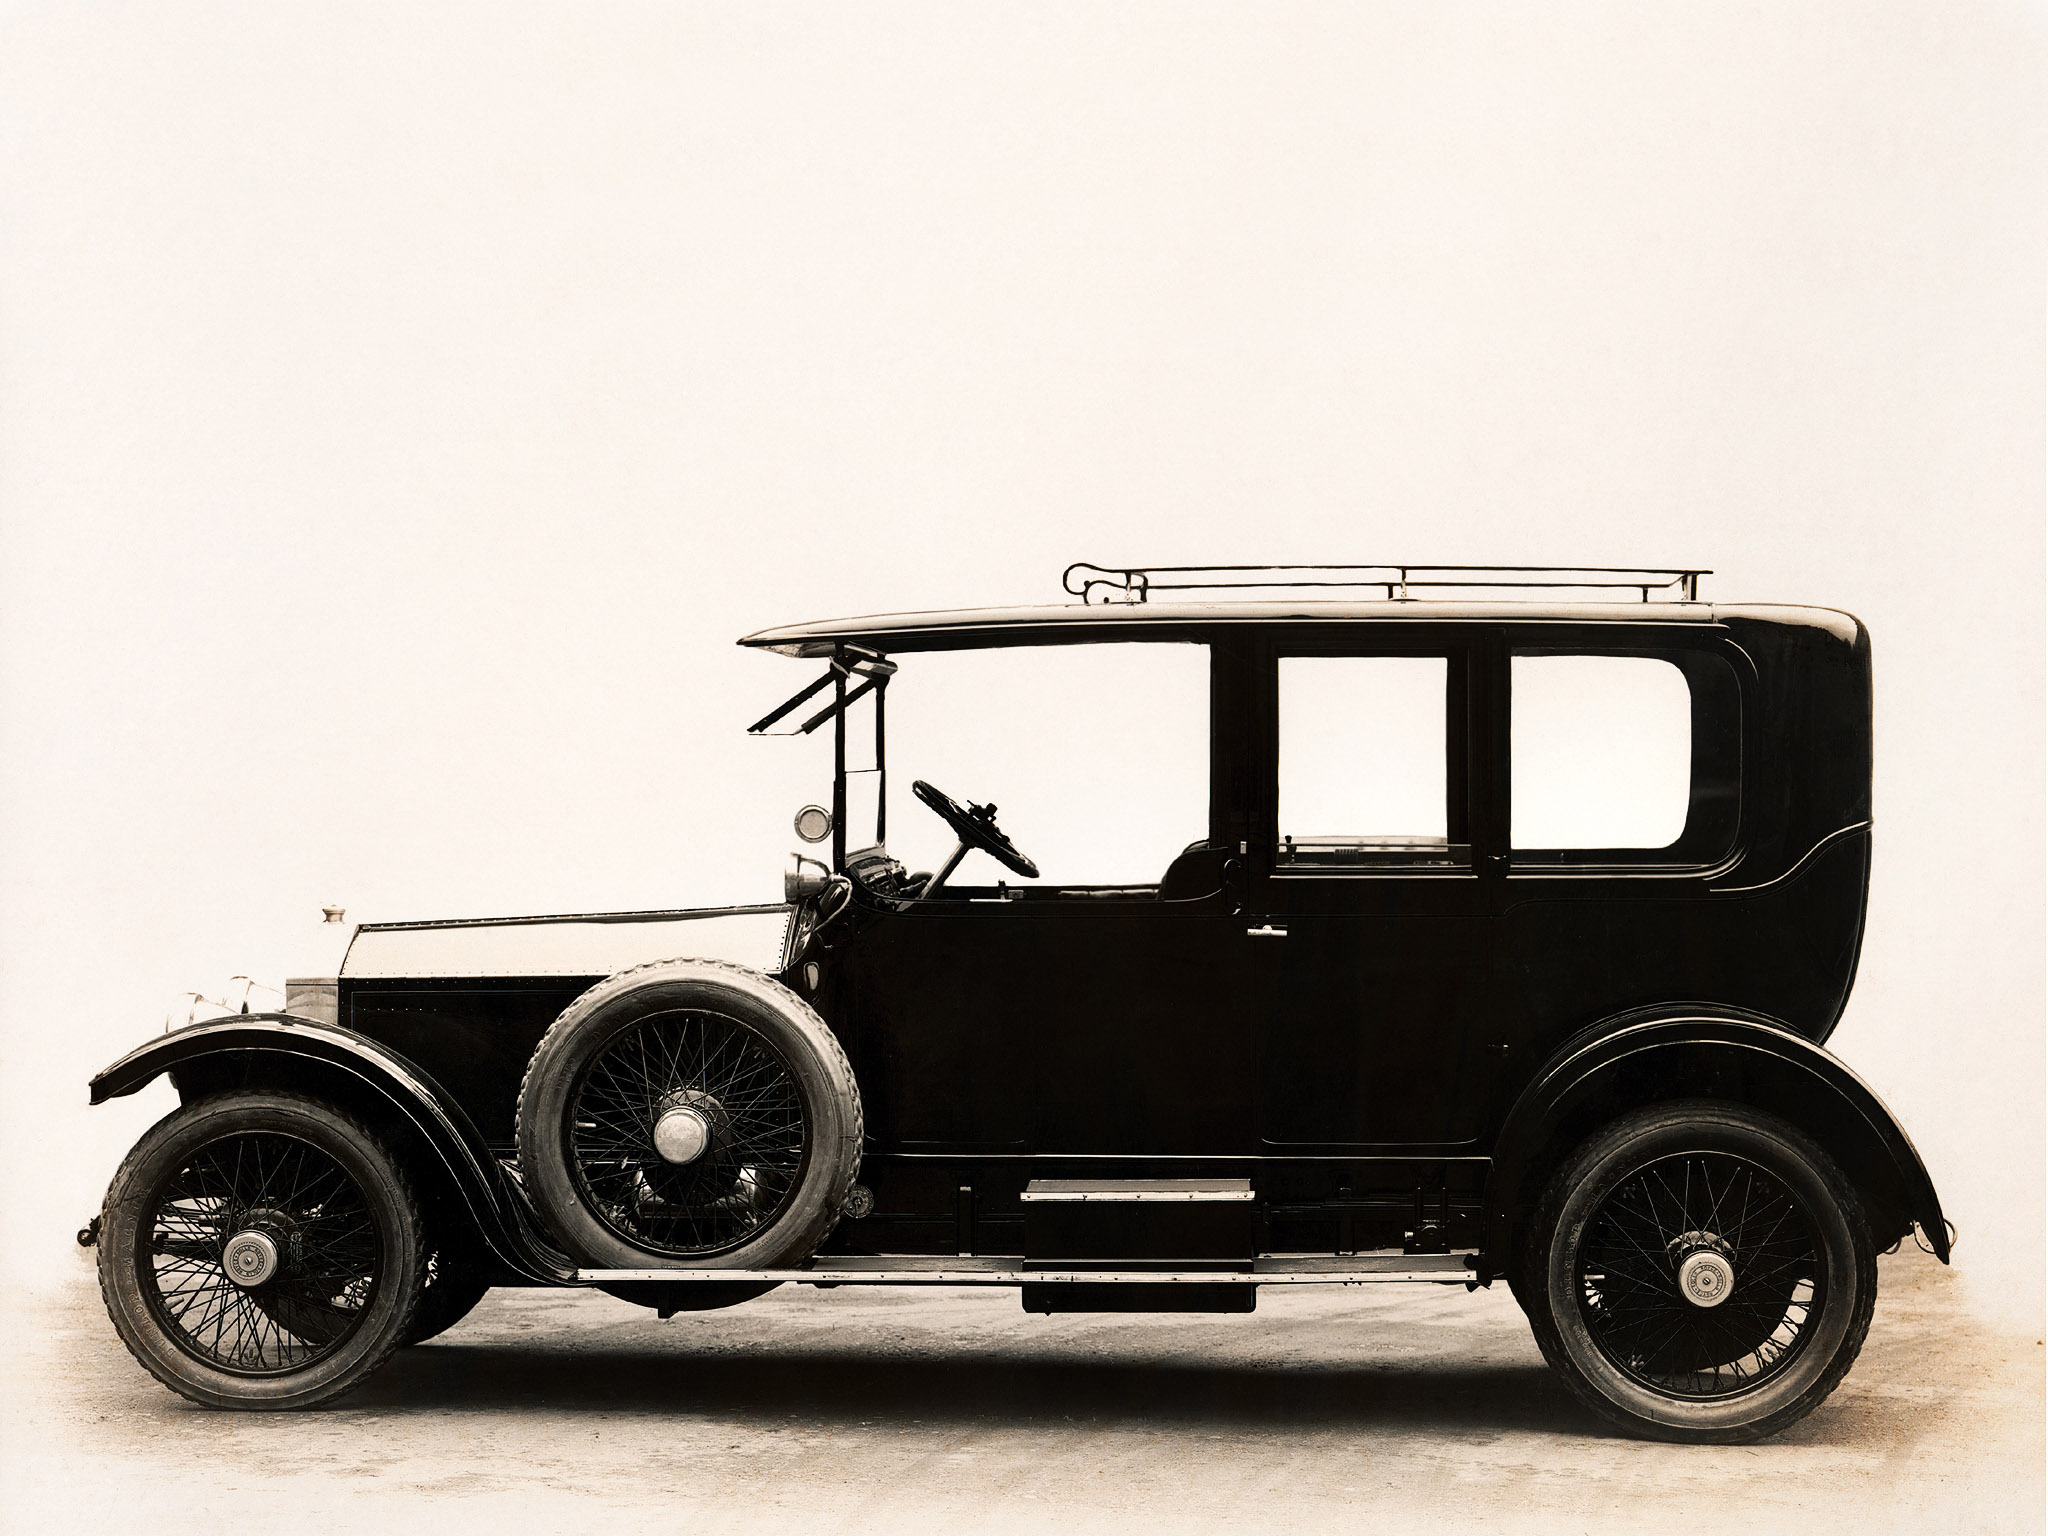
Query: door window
x: 1096, y: 756
x: 1363, y: 776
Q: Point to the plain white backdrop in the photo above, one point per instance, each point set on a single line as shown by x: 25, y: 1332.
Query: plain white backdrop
x: 403, y: 409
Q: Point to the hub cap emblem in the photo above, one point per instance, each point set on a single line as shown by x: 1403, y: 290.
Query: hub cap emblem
x: 250, y: 1258
x: 1706, y: 1278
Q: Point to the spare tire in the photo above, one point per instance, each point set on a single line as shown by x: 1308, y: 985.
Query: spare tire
x: 689, y: 1114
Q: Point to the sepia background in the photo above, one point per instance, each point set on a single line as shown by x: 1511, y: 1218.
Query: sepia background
x: 402, y: 411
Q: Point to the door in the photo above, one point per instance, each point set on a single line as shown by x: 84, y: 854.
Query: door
x: 1375, y: 891
x: 1076, y: 1025
x: 1099, y: 1010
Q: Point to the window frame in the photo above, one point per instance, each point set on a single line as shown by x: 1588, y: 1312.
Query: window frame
x: 1466, y: 813
x: 1716, y: 823
x: 1049, y: 895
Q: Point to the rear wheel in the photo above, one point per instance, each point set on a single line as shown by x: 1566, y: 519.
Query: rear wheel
x: 260, y: 1250
x: 690, y: 1114
x: 1700, y: 1272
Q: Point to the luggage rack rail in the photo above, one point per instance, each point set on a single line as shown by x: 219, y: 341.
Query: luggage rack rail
x: 1008, y: 1269
x: 1134, y: 584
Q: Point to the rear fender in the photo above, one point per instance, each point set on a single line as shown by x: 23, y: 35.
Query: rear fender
x: 1639, y: 1060
x: 277, y: 1049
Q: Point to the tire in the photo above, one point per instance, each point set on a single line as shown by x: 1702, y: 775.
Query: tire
x: 1518, y: 1287
x: 762, y: 1090
x: 456, y: 1280
x: 339, y: 1230
x: 1676, y: 1198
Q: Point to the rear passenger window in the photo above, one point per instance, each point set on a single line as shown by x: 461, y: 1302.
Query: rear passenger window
x: 1605, y: 760
x: 1363, y: 754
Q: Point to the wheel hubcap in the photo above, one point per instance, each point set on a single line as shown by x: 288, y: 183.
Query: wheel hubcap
x: 1706, y: 1278
x: 682, y: 1135
x: 250, y: 1258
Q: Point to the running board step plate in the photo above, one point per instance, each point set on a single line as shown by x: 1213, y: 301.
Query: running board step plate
x: 1134, y: 1191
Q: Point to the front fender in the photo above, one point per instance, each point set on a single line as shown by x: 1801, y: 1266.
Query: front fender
x: 1614, y: 1069
x: 247, y: 1044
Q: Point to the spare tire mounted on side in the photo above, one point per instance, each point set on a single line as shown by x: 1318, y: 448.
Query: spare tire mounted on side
x: 689, y: 1114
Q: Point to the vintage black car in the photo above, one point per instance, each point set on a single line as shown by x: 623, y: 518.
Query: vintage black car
x: 1414, y: 1006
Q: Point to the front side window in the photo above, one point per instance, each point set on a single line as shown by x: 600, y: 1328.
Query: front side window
x: 1095, y: 756
x: 1363, y: 764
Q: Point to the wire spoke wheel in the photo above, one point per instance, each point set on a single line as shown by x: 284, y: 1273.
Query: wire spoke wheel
x: 260, y: 1248
x: 261, y: 1254
x: 1699, y: 1275
x: 1700, y: 1271
x: 687, y: 1133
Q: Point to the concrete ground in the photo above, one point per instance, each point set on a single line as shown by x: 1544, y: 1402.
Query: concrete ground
x: 1378, y: 1408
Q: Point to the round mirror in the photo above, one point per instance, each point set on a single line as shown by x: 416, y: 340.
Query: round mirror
x: 814, y: 823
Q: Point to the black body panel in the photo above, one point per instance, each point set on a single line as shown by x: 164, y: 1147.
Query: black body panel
x: 474, y: 1036
x: 1198, y: 1296
x: 1099, y: 1029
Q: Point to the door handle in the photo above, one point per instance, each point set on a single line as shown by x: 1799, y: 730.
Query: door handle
x: 1267, y: 931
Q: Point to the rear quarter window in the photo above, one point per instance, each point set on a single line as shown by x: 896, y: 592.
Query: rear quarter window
x: 1622, y: 757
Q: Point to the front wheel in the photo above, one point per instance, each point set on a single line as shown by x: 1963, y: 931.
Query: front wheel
x: 1700, y: 1272
x: 260, y: 1250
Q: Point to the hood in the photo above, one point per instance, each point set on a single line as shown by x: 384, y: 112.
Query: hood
x: 578, y: 944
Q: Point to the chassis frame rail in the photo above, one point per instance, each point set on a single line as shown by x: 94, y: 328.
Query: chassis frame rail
x: 1009, y: 1269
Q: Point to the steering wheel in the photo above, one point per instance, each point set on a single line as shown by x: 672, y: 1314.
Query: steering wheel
x: 975, y: 826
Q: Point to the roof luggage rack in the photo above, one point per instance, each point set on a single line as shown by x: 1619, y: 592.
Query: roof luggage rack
x: 1134, y: 584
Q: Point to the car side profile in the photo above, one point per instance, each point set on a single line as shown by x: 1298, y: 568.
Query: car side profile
x: 1518, y: 908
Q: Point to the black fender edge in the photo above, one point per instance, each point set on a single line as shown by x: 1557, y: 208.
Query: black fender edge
x: 1690, y: 1051
x: 245, y: 1043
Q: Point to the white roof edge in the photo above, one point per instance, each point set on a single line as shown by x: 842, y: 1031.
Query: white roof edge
x: 796, y: 639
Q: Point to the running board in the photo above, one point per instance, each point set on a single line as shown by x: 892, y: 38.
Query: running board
x: 905, y: 1269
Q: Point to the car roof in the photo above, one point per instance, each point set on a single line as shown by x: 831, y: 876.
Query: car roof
x: 1049, y: 623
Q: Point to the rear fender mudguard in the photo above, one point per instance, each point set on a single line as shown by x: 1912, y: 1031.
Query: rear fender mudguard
x: 1628, y: 1063
x: 260, y: 1047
